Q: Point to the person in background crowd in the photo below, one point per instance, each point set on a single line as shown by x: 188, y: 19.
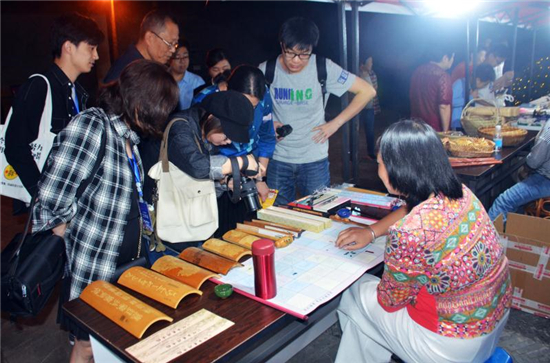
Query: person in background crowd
x: 431, y: 91
x: 301, y: 158
x: 445, y: 293
x: 535, y: 186
x: 217, y: 63
x: 496, y: 57
x: 460, y: 70
x: 74, y: 41
x: 249, y: 81
x: 187, y: 81
x: 158, y: 41
x: 220, y: 119
x: 105, y: 220
x: 372, y: 108
x: 485, y: 76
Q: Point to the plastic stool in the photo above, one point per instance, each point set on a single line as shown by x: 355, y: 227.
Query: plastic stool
x: 500, y: 356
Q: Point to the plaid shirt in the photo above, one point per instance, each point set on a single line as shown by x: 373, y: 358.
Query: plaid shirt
x: 98, y: 218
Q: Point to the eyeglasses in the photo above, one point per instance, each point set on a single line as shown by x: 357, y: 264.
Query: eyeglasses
x: 169, y: 45
x: 291, y: 55
x: 182, y: 58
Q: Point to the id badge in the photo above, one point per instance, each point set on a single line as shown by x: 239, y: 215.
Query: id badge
x: 145, y: 216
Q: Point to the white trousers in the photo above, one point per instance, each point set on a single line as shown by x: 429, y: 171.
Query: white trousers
x: 371, y: 335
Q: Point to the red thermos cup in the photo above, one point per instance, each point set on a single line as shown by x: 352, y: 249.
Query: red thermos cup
x: 263, y: 256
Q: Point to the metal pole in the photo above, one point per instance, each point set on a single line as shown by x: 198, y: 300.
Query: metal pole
x: 516, y: 20
x: 467, y: 85
x: 532, y: 62
x: 474, y: 65
x: 344, y: 100
x: 355, y: 70
x: 477, y: 37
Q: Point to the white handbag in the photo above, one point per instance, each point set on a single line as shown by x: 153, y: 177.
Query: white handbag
x: 10, y: 184
x: 186, y: 209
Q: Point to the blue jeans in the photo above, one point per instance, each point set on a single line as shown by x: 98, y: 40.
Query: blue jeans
x: 534, y: 187
x: 367, y: 119
x: 308, y: 177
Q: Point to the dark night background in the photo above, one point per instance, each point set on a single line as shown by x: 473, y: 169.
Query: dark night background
x: 248, y: 30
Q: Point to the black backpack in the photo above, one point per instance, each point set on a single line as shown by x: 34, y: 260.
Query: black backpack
x: 321, y: 73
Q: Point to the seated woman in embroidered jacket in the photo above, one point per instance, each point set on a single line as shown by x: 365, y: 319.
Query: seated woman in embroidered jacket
x: 445, y: 293
x: 105, y: 219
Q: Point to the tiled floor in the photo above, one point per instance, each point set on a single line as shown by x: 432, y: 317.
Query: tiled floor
x: 526, y: 337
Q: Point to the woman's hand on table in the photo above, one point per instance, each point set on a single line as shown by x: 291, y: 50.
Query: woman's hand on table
x: 353, y: 238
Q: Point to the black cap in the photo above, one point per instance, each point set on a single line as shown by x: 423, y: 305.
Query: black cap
x: 235, y: 112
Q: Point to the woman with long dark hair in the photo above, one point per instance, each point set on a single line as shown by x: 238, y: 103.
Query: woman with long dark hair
x: 102, y: 227
x: 445, y: 293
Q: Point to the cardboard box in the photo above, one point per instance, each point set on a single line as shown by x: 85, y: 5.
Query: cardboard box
x: 527, y: 243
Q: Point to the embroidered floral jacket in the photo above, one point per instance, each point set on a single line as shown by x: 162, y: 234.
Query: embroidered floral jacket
x: 444, y: 264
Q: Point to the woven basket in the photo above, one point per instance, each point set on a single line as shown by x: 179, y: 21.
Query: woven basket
x: 511, y: 136
x: 470, y: 154
x: 450, y: 134
x: 474, y: 118
x: 460, y: 152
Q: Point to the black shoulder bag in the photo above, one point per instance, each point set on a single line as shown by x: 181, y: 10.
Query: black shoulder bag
x: 33, y: 264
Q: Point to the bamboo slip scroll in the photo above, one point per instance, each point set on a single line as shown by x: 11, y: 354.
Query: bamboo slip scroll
x: 156, y: 286
x: 281, y: 239
x: 225, y: 249
x: 241, y: 238
x: 123, y: 309
x: 183, y: 271
x: 208, y: 260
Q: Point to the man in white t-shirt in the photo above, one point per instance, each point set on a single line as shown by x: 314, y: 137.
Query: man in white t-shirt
x: 301, y: 158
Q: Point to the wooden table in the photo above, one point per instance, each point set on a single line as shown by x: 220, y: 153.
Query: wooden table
x: 250, y: 318
x: 488, y: 181
x: 260, y: 333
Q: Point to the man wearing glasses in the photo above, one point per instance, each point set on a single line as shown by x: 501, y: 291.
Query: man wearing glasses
x: 301, y: 158
x: 158, y: 41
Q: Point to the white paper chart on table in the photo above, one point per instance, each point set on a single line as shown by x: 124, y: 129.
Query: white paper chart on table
x: 180, y: 337
x: 311, y: 271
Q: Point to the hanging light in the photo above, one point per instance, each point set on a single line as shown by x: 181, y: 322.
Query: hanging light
x: 450, y: 8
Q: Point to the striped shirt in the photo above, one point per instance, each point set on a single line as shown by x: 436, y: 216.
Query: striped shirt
x: 96, y: 221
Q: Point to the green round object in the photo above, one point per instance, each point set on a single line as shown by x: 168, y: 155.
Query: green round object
x: 223, y: 291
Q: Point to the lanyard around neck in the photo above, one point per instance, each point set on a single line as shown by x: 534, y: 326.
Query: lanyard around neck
x: 75, y: 98
x: 133, y: 164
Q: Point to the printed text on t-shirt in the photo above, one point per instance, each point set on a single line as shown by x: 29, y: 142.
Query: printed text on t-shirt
x: 290, y: 95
